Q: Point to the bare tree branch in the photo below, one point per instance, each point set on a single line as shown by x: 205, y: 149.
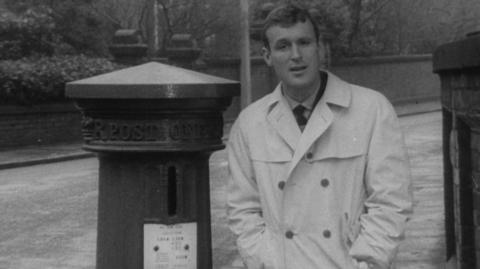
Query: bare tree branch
x: 143, y: 14
x: 105, y: 15
x: 373, y: 13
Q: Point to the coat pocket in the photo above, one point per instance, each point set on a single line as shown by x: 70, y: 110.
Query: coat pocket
x: 261, y: 255
x: 350, y: 229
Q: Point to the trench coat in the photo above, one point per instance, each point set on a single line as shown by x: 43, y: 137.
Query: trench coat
x: 337, y: 193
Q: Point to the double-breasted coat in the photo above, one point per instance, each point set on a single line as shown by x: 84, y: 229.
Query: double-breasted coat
x: 337, y: 192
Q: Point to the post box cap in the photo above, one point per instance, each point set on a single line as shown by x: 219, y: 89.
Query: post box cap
x: 457, y: 55
x: 152, y: 80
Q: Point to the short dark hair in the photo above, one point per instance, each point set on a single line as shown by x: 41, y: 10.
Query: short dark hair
x: 287, y: 15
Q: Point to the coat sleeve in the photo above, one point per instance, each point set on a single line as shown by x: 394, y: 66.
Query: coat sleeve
x: 389, y: 192
x: 244, y: 206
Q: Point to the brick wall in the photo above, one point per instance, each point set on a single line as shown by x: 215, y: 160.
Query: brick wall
x: 46, y: 124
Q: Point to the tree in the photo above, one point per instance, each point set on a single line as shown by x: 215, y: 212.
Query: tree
x: 89, y: 25
x: 74, y: 21
x: 125, y: 14
x: 212, y: 23
x: 208, y: 21
x: 412, y: 27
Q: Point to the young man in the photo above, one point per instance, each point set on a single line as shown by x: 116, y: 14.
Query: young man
x: 322, y: 186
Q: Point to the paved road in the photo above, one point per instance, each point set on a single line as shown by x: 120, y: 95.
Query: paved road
x: 48, y: 212
x: 48, y: 215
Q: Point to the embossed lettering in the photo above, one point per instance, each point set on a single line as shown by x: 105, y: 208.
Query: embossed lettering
x: 98, y: 130
x: 192, y: 131
x: 139, y: 132
x: 125, y: 131
x: 202, y: 130
x: 188, y: 130
x: 160, y: 132
x: 150, y: 132
x: 175, y: 132
x: 113, y: 131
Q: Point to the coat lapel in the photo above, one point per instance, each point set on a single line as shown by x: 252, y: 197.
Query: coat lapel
x: 337, y: 93
x: 281, y: 119
x: 319, y: 121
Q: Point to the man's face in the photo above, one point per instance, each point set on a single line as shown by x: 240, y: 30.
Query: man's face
x: 294, y: 54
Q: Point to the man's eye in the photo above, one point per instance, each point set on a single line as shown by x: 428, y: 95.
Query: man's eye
x: 281, y: 46
x: 305, y: 42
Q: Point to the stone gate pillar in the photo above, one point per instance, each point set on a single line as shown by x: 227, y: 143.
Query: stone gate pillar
x: 458, y: 65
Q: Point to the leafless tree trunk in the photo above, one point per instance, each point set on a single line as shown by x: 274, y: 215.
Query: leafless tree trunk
x: 152, y: 28
x: 355, y: 9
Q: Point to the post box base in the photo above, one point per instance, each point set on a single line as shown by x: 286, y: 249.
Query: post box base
x: 154, y: 188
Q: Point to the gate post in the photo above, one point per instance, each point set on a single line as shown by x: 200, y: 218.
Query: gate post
x: 458, y: 65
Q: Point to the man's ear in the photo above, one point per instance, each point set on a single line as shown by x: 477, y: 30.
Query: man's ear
x: 266, y: 56
x: 323, y: 54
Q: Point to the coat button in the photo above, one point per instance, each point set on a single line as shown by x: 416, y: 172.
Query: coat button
x: 289, y: 234
x: 324, y: 182
x: 327, y: 234
x: 309, y: 156
x: 281, y: 185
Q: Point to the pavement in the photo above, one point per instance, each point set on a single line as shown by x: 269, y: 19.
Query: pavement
x: 42, y: 154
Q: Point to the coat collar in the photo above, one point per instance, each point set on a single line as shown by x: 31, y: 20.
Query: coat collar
x: 337, y: 92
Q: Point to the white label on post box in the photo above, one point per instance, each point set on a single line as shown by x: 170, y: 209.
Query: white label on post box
x: 170, y: 246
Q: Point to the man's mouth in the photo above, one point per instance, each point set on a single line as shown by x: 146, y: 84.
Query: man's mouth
x: 298, y: 68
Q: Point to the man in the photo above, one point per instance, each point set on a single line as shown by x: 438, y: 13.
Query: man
x: 325, y: 185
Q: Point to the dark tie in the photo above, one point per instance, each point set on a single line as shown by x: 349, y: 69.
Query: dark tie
x: 299, y: 113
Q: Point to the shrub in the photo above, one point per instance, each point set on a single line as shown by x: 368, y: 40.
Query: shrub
x: 31, y: 81
x: 33, y: 33
x: 53, y: 27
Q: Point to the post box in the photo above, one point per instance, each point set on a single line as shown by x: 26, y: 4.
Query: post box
x: 154, y: 127
x: 458, y: 65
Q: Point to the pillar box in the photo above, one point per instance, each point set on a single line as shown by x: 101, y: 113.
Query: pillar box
x: 154, y: 127
x: 458, y: 65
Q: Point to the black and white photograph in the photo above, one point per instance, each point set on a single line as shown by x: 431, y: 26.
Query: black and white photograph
x: 240, y: 134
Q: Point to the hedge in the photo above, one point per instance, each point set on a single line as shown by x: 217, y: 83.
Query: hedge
x: 31, y: 81
x: 30, y: 34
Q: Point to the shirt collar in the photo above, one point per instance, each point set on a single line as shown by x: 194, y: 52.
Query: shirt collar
x: 337, y: 92
x: 307, y: 103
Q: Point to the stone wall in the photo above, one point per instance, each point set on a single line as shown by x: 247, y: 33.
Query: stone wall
x: 45, y: 124
x: 402, y: 79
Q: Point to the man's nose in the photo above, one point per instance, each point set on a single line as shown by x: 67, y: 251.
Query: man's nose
x: 295, y: 54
